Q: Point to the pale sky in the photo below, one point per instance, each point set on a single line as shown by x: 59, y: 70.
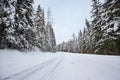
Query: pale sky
x: 68, y: 16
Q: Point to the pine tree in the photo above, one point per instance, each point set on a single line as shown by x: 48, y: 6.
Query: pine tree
x: 53, y: 40
x: 74, y: 44
x: 40, y: 31
x: 111, y: 27
x: 96, y: 25
x: 89, y: 40
x: 23, y: 24
x: 79, y: 41
x: 6, y: 24
x: 50, y: 37
x: 50, y: 33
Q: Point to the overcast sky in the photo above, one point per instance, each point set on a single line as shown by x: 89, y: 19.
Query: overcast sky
x: 68, y: 16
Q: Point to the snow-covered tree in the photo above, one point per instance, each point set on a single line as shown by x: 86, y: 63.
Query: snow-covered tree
x: 96, y: 24
x: 6, y: 23
x: 110, y: 40
x: 74, y: 44
x: 50, y: 33
x: 88, y: 37
x: 24, y: 35
x: 22, y: 30
x: 39, y: 23
x: 102, y: 34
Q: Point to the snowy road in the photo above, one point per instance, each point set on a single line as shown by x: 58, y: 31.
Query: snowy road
x: 59, y: 66
x: 35, y: 71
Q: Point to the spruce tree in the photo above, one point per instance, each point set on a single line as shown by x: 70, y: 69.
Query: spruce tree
x: 40, y: 31
x: 96, y: 25
x: 89, y: 40
x: 6, y: 24
x: 111, y: 27
x: 79, y: 41
x: 50, y: 33
x: 23, y: 24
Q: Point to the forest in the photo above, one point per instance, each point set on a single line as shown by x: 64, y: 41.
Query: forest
x: 25, y: 29
x: 101, y: 35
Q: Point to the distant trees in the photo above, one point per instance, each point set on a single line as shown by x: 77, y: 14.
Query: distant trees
x: 102, y: 33
x: 50, y: 33
x: 40, y: 31
x: 21, y: 29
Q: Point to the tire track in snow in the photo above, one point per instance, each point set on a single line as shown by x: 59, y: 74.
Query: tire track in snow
x: 21, y: 75
x: 47, y: 75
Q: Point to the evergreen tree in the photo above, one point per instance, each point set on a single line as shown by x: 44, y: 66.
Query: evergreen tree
x: 74, y: 44
x: 6, y: 24
x: 111, y: 27
x: 96, y: 25
x: 40, y: 31
x: 80, y: 41
x: 50, y: 33
x: 23, y: 24
x: 89, y: 40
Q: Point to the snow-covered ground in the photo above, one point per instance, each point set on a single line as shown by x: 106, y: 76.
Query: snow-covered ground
x: 15, y: 65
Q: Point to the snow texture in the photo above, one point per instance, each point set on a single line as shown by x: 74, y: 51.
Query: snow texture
x: 36, y: 65
x: 116, y: 25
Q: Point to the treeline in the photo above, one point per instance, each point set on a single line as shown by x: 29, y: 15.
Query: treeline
x: 101, y: 35
x: 23, y: 29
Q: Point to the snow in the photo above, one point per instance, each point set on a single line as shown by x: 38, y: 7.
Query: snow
x: 15, y: 65
x: 109, y: 30
x: 116, y: 25
x: 12, y: 62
